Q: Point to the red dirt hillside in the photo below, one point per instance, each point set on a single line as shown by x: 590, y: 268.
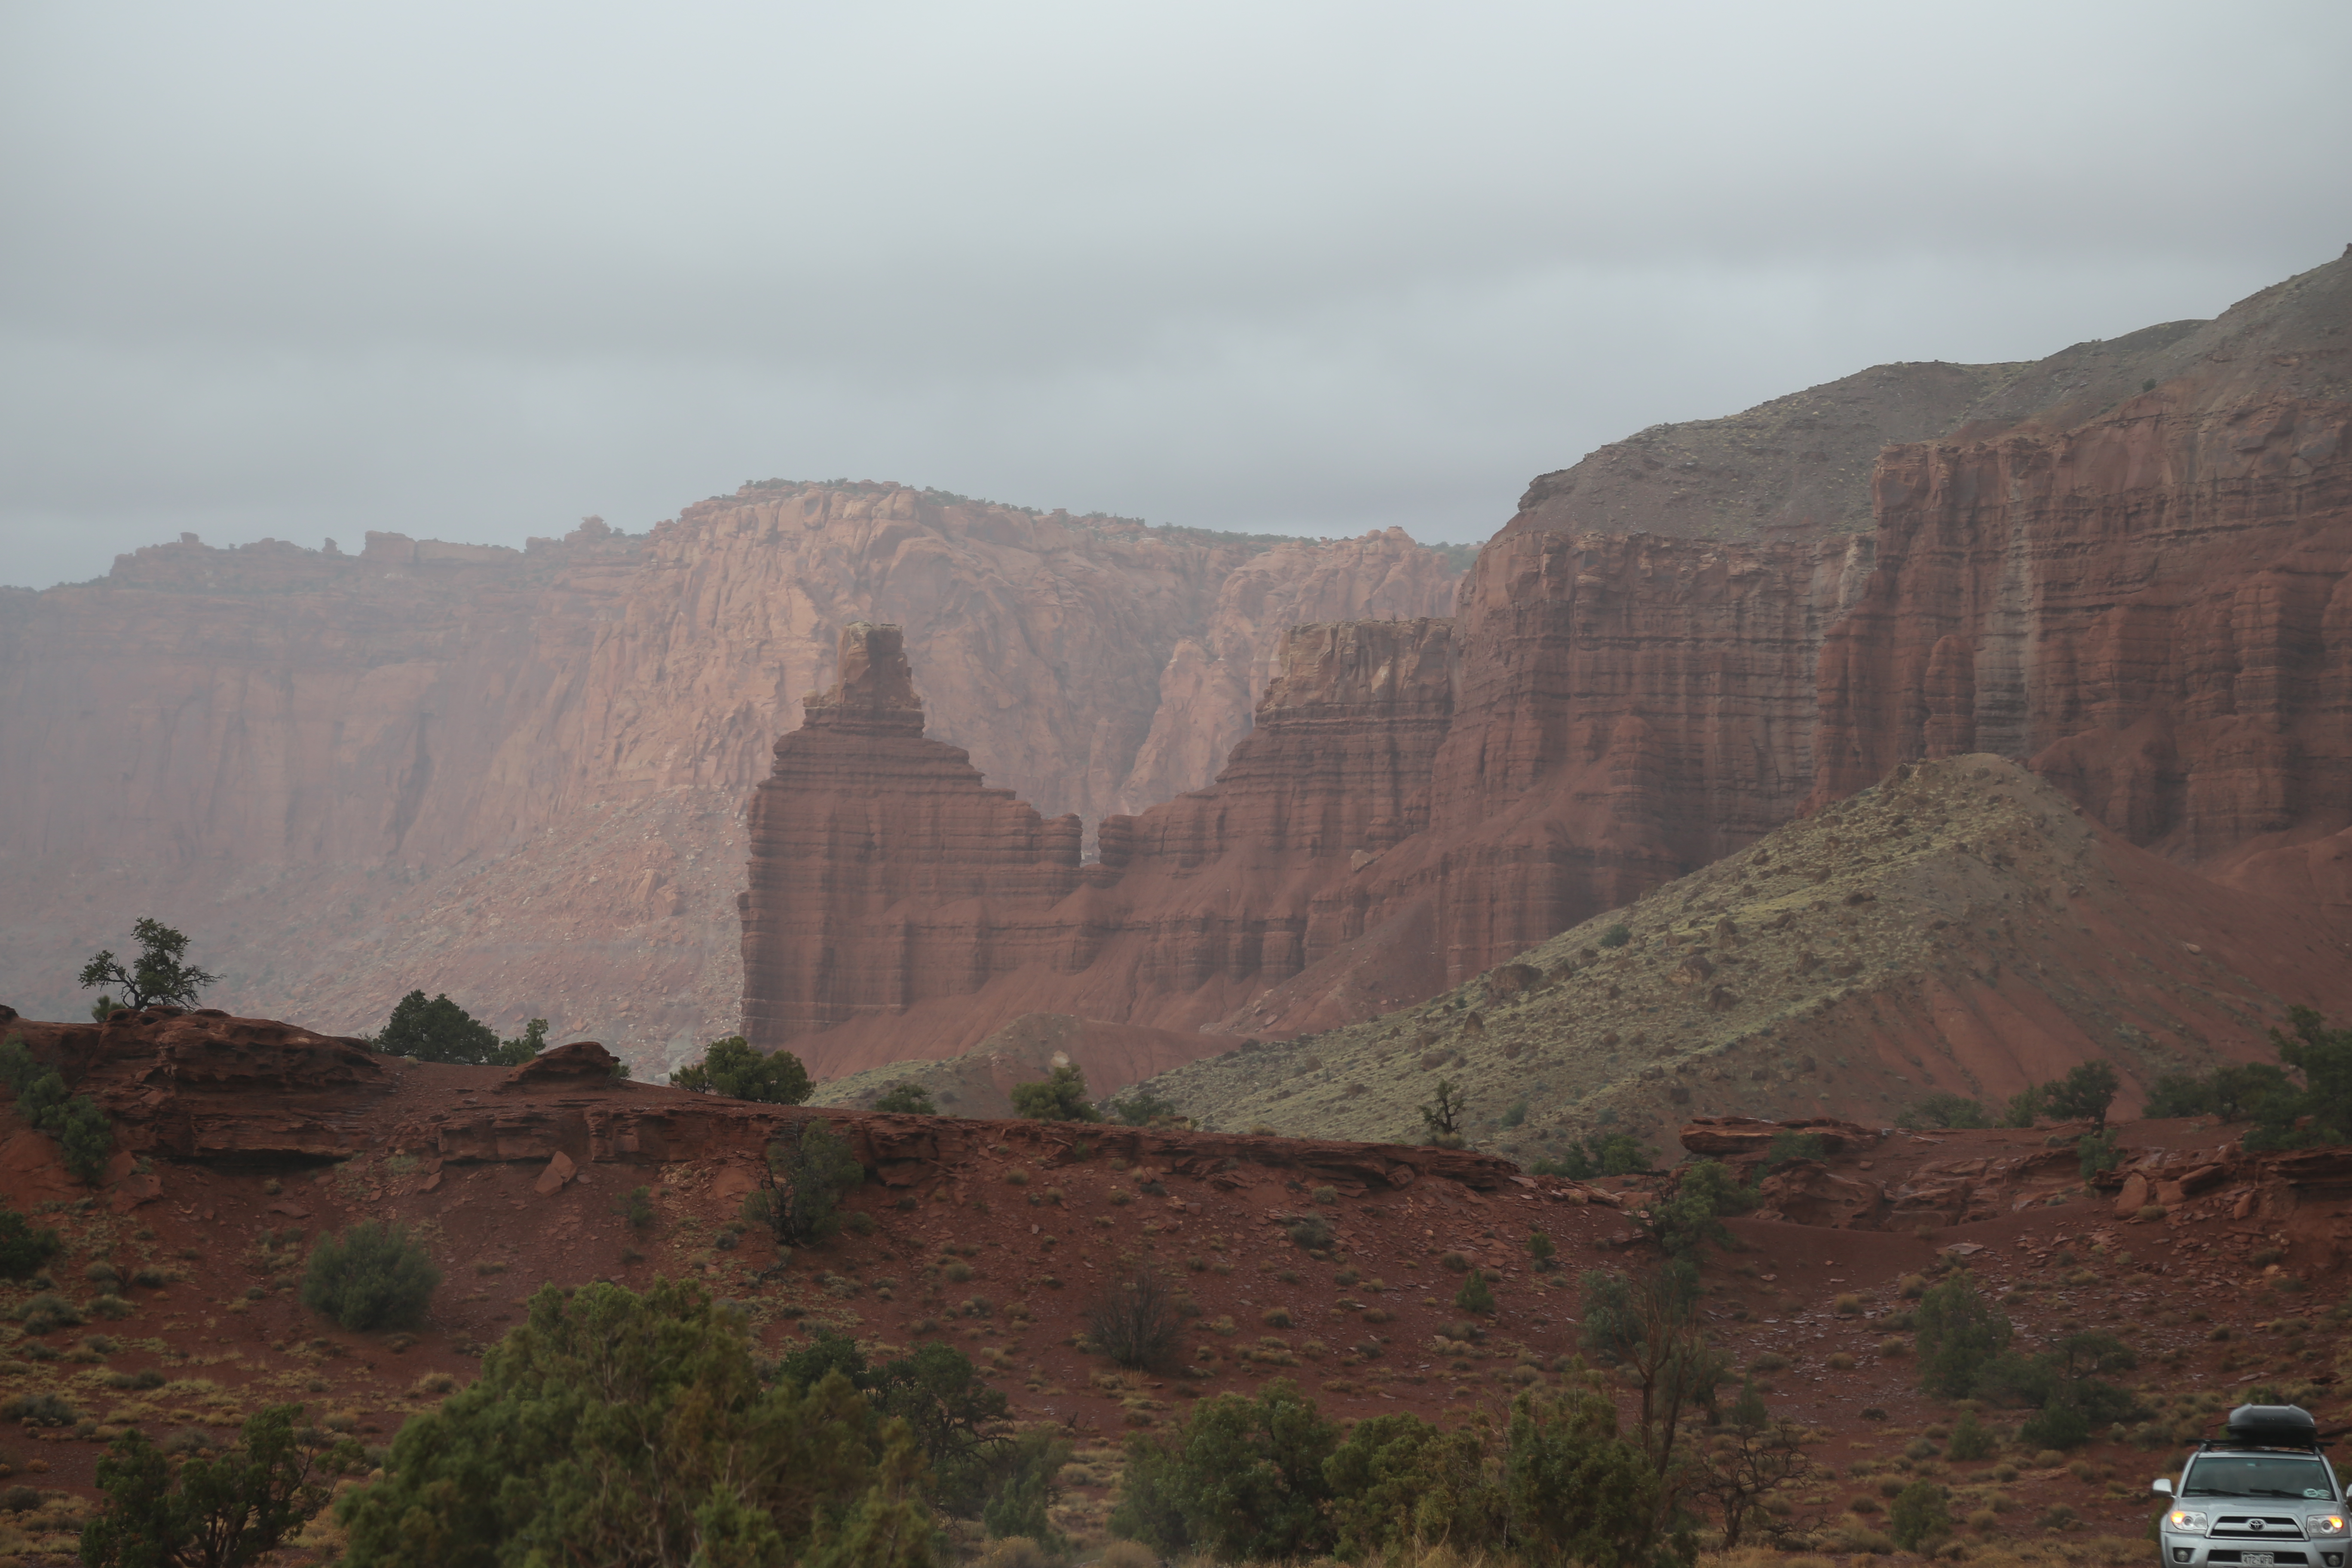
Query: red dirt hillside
x: 251, y: 1137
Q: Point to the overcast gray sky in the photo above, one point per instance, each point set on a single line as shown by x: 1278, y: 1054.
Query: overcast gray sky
x: 472, y: 270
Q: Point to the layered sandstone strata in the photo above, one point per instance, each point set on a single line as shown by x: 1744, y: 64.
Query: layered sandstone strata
x: 2136, y: 590
x: 2154, y: 608
x: 2150, y: 607
x: 518, y: 775
x: 889, y: 883
x: 878, y: 856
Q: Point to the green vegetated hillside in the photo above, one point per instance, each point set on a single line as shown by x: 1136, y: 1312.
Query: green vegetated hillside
x: 1790, y: 979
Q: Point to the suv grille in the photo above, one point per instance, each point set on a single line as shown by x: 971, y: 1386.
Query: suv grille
x: 2253, y: 1526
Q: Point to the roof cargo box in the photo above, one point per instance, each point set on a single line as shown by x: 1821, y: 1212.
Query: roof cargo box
x: 2284, y: 1425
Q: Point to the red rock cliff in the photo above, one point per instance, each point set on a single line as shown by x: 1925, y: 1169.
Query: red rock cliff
x: 868, y: 842
x: 2149, y: 606
x: 1196, y: 906
x: 2139, y: 591
x: 516, y: 775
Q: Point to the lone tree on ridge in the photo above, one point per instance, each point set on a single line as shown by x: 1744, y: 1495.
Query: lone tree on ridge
x: 160, y: 977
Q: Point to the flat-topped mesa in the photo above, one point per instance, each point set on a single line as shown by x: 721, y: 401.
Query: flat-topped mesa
x: 860, y: 834
x: 876, y: 693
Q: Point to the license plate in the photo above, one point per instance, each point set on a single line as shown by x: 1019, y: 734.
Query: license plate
x: 2257, y: 1559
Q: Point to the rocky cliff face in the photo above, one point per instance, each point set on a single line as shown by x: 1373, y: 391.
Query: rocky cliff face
x: 2149, y: 606
x: 865, y: 838
x: 2123, y: 566
x: 898, y: 908
x: 518, y: 775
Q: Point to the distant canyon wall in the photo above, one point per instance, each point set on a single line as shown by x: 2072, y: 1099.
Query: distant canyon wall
x: 516, y: 775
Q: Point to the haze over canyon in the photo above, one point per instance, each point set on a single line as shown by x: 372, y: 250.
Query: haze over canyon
x: 1211, y: 787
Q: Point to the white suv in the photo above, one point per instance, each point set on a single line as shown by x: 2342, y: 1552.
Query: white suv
x: 2265, y: 1496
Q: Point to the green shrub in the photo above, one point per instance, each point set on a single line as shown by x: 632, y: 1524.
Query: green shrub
x: 808, y: 1169
x: 1022, y: 1505
x: 84, y: 1136
x: 1516, y: 1112
x: 907, y: 1098
x: 23, y: 1249
x: 371, y: 1276
x: 1691, y: 1214
x: 935, y: 1389
x: 2084, y: 1094
x: 734, y: 1068
x: 436, y: 1031
x: 1616, y: 936
x: 1972, y: 1439
x: 2096, y: 1152
x: 1474, y: 1296
x: 1540, y: 1249
x: 1140, y: 1107
x: 1310, y: 1233
x: 2320, y: 1111
x: 637, y: 1428
x: 2057, y: 1425
x: 220, y: 1510
x: 40, y: 1410
x: 1945, y: 1109
x: 636, y: 1206
x: 47, y: 1313
x: 1243, y: 1479
x: 514, y: 1052
x: 1134, y: 1321
x: 2233, y: 1093
x: 1920, y: 1517
x: 1059, y: 1097
x: 1398, y: 1481
x: 1616, y: 1154
x: 1959, y: 1333
x: 17, y: 1068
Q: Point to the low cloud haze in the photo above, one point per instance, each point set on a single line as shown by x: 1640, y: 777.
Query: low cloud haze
x: 471, y: 271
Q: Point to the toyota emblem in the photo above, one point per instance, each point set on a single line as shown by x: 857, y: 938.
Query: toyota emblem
x: 2254, y: 1524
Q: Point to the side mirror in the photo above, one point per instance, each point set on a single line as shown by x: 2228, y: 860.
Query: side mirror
x: 2160, y: 1486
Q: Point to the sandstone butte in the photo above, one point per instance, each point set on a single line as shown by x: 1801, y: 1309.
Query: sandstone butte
x: 518, y: 776
x: 2124, y: 567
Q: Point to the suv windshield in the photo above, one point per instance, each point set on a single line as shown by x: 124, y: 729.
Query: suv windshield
x: 2257, y: 1474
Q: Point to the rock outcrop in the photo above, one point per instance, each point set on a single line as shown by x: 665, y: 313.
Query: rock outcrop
x: 869, y: 842
x: 209, y: 1087
x: 889, y: 883
x: 2152, y: 608
x: 518, y: 776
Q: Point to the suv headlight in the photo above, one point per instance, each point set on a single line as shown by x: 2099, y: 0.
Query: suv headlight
x: 2324, y: 1524
x: 2186, y: 1519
